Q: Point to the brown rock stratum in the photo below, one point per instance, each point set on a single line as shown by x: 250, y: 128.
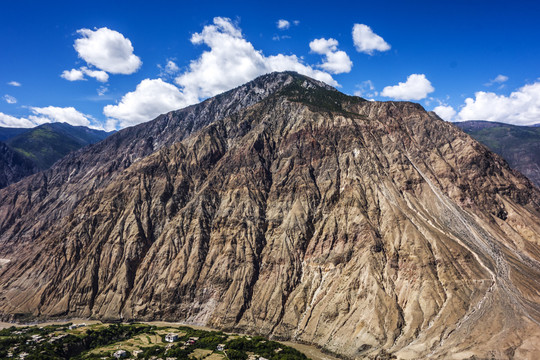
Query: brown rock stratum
x: 286, y: 208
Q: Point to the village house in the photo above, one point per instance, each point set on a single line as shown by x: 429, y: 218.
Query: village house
x: 75, y: 326
x: 220, y: 347
x: 120, y: 354
x: 171, y: 337
x: 192, y: 340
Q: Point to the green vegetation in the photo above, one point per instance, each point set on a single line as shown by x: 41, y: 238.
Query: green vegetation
x: 325, y: 99
x: 46, y: 144
x: 8, y: 133
x: 135, y: 341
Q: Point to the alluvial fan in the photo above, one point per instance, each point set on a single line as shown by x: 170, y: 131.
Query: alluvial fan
x: 288, y: 209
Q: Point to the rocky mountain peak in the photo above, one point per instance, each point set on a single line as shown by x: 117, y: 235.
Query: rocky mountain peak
x: 288, y: 209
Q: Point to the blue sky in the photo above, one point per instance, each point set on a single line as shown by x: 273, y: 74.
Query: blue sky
x: 465, y: 59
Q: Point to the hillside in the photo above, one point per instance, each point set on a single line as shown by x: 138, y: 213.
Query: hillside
x: 47, y: 143
x: 7, y: 133
x: 27, y: 151
x: 519, y: 145
x: 286, y: 209
x: 13, y: 166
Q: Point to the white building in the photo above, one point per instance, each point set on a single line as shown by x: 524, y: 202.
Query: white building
x: 120, y: 354
x: 171, y: 337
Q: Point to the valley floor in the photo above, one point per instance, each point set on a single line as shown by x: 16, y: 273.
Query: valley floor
x: 80, y: 326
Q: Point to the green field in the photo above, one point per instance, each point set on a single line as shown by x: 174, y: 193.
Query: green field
x: 135, y: 341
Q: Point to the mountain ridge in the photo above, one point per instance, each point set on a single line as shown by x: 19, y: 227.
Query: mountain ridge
x: 519, y: 145
x: 362, y: 227
x: 30, y: 150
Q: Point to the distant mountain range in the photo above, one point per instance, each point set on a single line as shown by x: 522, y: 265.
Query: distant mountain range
x: 8, y: 133
x: 519, y: 145
x: 26, y: 151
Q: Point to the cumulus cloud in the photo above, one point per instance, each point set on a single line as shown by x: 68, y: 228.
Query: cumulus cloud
x: 323, y: 46
x: 283, y: 24
x: 499, y: 79
x: 59, y: 114
x: 168, y: 70
x: 49, y: 114
x: 336, y: 62
x: 521, y: 107
x: 445, y: 112
x: 14, y: 83
x: 12, y: 121
x: 107, y: 50
x: 10, y: 99
x: 151, y: 98
x: 230, y: 61
x: 366, y: 41
x: 99, y: 75
x: 78, y: 74
x: 416, y: 87
x: 73, y: 75
x: 171, y: 67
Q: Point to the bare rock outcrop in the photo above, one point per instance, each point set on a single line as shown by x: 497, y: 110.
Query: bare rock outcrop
x: 288, y: 209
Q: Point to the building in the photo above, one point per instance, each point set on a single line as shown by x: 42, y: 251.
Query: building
x: 220, y: 347
x: 171, y: 337
x: 120, y: 354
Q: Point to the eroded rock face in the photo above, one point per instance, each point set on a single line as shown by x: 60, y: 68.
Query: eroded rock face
x: 362, y: 227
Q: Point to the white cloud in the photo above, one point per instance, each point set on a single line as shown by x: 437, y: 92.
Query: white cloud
x: 296, y: 22
x: 14, y: 83
x: 73, y: 75
x: 366, y: 41
x: 323, y: 46
x: 99, y: 75
x: 521, y: 107
x: 12, y: 121
x: 102, y: 90
x: 10, y: 99
x: 68, y: 115
x: 283, y: 24
x: 445, y: 112
x: 282, y: 37
x: 168, y: 70
x: 336, y: 62
x: 78, y: 74
x: 366, y: 88
x: 231, y: 61
x: 49, y: 114
x: 151, y: 98
x: 416, y: 87
x: 171, y: 67
x: 107, y: 50
x: 499, y: 79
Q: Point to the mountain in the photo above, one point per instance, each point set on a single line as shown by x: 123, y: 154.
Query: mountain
x: 13, y: 166
x: 47, y: 143
x: 519, y: 145
x: 38, y: 148
x: 286, y: 208
x: 7, y: 133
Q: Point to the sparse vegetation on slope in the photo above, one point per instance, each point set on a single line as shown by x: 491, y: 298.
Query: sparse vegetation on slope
x: 103, y: 341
